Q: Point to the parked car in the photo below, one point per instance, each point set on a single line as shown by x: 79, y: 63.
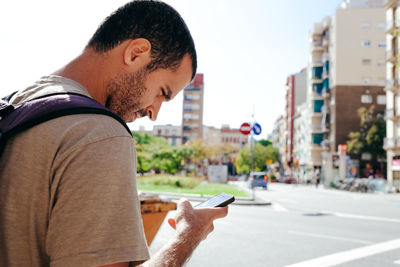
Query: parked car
x: 258, y: 179
x: 288, y: 180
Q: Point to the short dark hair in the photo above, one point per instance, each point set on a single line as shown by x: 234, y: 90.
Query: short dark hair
x: 155, y: 21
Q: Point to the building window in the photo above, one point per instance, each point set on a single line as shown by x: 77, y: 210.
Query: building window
x: 382, y: 26
x: 366, y: 26
x: 366, y: 99
x: 196, y: 97
x: 382, y: 44
x: 381, y: 99
x: 382, y: 82
x: 195, y: 106
x: 366, y: 62
x: 366, y: 80
x: 381, y: 63
x: 366, y: 43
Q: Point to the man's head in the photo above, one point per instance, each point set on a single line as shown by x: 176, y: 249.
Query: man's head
x: 146, y: 30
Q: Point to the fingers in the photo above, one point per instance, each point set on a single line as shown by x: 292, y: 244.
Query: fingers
x: 184, y: 204
x: 220, y: 212
x: 214, y: 213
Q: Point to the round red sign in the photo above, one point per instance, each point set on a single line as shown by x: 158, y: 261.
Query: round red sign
x: 245, y: 128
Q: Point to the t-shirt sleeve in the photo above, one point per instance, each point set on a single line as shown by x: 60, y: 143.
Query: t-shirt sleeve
x: 95, y: 211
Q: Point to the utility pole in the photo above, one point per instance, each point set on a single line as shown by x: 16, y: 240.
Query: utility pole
x: 252, y: 151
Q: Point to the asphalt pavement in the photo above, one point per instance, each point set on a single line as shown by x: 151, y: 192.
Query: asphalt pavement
x: 302, y: 226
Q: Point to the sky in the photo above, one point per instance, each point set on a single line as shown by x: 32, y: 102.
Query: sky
x: 246, y: 49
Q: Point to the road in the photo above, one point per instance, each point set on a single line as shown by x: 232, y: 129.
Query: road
x: 304, y: 226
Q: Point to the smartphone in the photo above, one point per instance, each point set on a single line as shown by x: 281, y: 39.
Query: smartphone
x: 220, y: 200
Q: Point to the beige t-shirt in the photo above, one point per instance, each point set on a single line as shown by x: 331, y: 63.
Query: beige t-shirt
x: 68, y: 191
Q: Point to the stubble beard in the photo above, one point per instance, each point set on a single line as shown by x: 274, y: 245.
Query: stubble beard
x: 125, y: 92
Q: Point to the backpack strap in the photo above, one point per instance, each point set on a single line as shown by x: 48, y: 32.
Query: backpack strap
x: 17, y: 118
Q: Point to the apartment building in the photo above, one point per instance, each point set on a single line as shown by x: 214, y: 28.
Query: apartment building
x: 279, y: 140
x: 172, y: 133
x: 346, y: 72
x: 192, y: 112
x: 392, y: 140
x: 211, y: 135
x: 300, y: 138
x: 295, y: 96
x: 232, y: 136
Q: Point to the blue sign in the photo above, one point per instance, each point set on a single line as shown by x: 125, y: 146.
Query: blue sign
x: 257, y: 129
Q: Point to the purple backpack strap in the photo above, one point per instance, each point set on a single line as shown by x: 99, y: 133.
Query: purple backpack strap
x: 15, y: 119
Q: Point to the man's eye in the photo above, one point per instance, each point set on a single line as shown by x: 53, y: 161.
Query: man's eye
x: 164, y: 94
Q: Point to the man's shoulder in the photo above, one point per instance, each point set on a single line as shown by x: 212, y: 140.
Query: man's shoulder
x: 48, y: 85
x: 91, y: 127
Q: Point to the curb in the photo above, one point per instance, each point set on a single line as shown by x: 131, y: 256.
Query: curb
x: 201, y: 198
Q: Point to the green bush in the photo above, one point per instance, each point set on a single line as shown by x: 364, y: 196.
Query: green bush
x: 174, y: 181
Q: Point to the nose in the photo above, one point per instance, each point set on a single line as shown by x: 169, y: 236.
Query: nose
x: 152, y: 111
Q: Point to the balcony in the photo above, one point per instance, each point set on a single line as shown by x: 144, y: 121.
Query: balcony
x: 392, y: 85
x: 316, y: 96
x: 391, y: 56
x: 318, y: 87
x: 317, y: 72
x: 319, y: 129
x: 325, y: 109
x: 317, y: 47
x: 319, y: 147
x: 326, y: 127
x: 325, y: 84
x: 390, y: 143
x: 390, y: 26
x: 392, y: 114
x: 326, y: 143
x: 318, y: 104
x: 390, y: 4
x: 325, y: 43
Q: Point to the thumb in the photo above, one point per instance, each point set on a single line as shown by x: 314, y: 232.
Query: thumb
x: 172, y: 223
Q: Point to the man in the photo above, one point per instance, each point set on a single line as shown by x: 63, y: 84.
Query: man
x: 67, y: 186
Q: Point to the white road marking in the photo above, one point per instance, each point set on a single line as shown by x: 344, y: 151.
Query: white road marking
x: 362, y: 217
x: 331, y: 237
x: 397, y: 262
x: 350, y: 255
x: 278, y: 207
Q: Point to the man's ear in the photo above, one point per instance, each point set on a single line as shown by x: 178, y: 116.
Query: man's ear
x: 137, y: 53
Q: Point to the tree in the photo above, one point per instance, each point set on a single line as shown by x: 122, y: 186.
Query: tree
x: 265, y: 142
x: 369, y: 139
x: 146, y: 146
x: 169, y: 159
x: 261, y: 155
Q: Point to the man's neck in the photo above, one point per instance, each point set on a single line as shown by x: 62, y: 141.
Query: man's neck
x: 91, y: 70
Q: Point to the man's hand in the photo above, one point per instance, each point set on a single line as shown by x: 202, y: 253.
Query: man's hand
x: 194, y: 223
x: 192, y: 226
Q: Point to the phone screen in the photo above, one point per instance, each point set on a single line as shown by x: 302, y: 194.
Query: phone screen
x: 220, y: 200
